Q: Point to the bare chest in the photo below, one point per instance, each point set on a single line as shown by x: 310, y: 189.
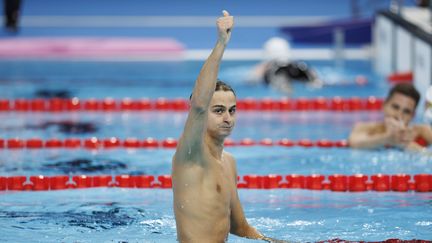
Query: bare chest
x: 213, y: 184
x: 218, y: 181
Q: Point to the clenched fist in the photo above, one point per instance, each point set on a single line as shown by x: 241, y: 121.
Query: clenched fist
x: 224, y: 25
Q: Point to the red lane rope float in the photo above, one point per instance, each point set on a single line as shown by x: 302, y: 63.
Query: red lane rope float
x: 401, y: 77
x: 180, y: 104
x: 392, y: 240
x: 94, y: 143
x: 336, y: 182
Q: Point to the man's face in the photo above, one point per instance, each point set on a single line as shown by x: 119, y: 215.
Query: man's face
x: 400, y: 107
x: 222, y: 114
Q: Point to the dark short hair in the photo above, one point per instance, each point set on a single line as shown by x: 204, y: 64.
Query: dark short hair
x: 406, y: 89
x: 221, y: 85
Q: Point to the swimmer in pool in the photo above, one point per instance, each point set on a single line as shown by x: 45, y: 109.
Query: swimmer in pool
x: 11, y: 14
x: 395, y: 130
x: 206, y: 203
x: 279, y: 71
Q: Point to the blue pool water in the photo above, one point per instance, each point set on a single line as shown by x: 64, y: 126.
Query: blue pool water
x: 251, y: 160
x: 140, y: 215
x: 274, y: 125
x: 145, y: 215
x: 24, y: 79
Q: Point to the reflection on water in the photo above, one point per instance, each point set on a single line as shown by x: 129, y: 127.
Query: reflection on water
x: 146, y: 215
x: 87, y: 216
x: 68, y: 219
x: 50, y: 93
x: 68, y: 127
x: 85, y: 165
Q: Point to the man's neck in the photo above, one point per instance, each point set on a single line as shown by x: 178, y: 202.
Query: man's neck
x: 216, y: 146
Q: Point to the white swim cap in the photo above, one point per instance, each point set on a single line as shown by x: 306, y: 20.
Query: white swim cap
x: 277, y: 48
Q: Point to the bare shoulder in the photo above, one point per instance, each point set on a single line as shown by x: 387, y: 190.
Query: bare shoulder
x: 424, y: 130
x: 228, y: 155
x: 422, y: 127
x: 229, y: 158
x: 369, y: 127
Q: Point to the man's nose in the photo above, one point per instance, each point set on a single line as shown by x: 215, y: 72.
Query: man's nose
x: 227, y: 117
x: 398, y: 114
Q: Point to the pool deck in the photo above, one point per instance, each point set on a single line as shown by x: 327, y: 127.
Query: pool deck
x: 192, y: 24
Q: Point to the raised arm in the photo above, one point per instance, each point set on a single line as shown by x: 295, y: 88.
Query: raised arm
x: 374, y: 135
x: 362, y: 138
x: 206, y: 81
x: 423, y: 131
x: 193, y: 133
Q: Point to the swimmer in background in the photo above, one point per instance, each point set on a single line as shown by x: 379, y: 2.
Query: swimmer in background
x: 12, y: 11
x: 395, y: 130
x: 206, y: 202
x: 279, y: 71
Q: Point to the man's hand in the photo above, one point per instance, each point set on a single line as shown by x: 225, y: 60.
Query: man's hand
x: 407, y: 136
x: 393, y: 129
x: 399, y: 134
x: 393, y: 125
x: 225, y: 25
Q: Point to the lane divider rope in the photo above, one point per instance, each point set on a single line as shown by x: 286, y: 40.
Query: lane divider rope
x: 163, y: 104
x: 94, y: 143
x: 336, y: 182
x: 392, y: 240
